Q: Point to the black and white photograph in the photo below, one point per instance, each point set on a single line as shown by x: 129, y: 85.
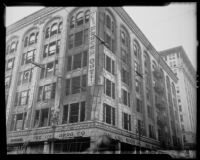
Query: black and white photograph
x: 101, y: 79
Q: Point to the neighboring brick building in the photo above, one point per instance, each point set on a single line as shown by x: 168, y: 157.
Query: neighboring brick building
x: 178, y: 61
x: 81, y: 88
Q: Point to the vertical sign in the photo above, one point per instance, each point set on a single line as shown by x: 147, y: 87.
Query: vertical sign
x: 92, y: 48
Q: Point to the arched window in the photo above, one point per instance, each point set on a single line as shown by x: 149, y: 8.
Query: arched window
x: 13, y: 46
x: 60, y: 27
x: 54, y: 29
x: 32, y: 39
x: 123, y: 37
x: 47, y: 32
x: 26, y: 41
x: 154, y: 66
x: 87, y: 16
x: 108, y: 21
x: 72, y: 22
x: 79, y: 18
x: 136, y: 49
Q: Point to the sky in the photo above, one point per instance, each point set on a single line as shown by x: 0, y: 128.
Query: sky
x: 165, y: 26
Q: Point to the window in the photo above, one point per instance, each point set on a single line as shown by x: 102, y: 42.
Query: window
x: 18, y: 121
x: 150, y: 111
x: 51, y: 48
x: 7, y: 81
x: 28, y: 57
x: 48, y: 70
x: 180, y: 108
x: 46, y: 92
x: 138, y: 86
x: 76, y: 84
x: 47, y: 33
x: 136, y: 49
x: 79, y: 61
x: 76, y: 112
x: 125, y: 98
x: 13, y: 47
x: 148, y: 95
x: 71, y: 41
x: 109, y: 88
x: 10, y: 64
x: 137, y: 67
x: 87, y: 16
x: 140, y: 127
x: 126, y: 121
x: 79, y: 19
x: 108, y: 22
x: 72, y: 22
x: 32, y: 39
x: 109, y: 64
x: 124, y: 56
x: 139, y: 105
x: 152, y: 132
x: 124, y: 75
x: 54, y: 29
x: 181, y: 118
x: 21, y: 98
x: 42, y: 118
x: 108, y: 114
x: 60, y: 27
x: 182, y: 126
x: 123, y: 38
x: 25, y: 76
x: 86, y: 36
x: 65, y: 114
x: 78, y: 39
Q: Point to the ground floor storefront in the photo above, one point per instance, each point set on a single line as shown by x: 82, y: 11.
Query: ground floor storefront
x: 78, y: 139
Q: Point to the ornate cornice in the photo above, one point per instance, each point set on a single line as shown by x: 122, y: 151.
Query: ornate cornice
x: 39, y: 15
x: 131, y: 24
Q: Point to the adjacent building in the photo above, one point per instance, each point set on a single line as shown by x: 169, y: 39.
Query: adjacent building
x: 178, y: 61
x: 75, y: 73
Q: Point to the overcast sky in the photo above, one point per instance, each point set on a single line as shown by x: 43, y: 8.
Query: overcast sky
x: 165, y: 27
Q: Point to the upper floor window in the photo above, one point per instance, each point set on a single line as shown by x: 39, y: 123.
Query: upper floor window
x: 108, y: 114
x: 49, y: 69
x: 136, y: 50
x: 42, y: 118
x: 7, y: 81
x: 53, y: 28
x: 154, y: 66
x: 73, y: 113
x: 46, y: 92
x: 126, y: 121
x: 152, y: 132
x: 28, y: 57
x: 124, y: 76
x: 125, y: 97
x: 10, y: 63
x: 31, y: 38
x: 18, y: 121
x: 78, y: 38
x: 11, y: 46
x: 109, y: 88
x: 109, y: 64
x: 79, y: 18
x: 150, y: 111
x: 124, y: 56
x: 21, y: 98
x: 77, y: 61
x: 51, y: 48
x: 108, y: 22
x: 25, y: 76
x: 76, y: 85
x: 139, y: 107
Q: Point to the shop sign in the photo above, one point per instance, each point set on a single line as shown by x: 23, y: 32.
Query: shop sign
x: 16, y: 140
x: 70, y: 134
x: 92, y: 48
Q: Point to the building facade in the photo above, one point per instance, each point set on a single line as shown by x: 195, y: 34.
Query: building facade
x: 74, y: 74
x: 178, y: 61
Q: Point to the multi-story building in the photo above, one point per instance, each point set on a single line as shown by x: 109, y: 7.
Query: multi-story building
x: 79, y: 73
x: 178, y: 61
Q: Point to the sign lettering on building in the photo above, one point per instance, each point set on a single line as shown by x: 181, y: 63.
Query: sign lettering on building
x: 92, y: 48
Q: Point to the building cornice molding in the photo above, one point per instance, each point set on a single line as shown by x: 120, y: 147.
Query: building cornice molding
x: 133, y: 27
x: 31, y: 19
x: 182, y: 54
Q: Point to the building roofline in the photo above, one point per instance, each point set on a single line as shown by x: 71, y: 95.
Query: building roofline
x: 182, y: 54
x: 119, y: 10
x: 132, y: 25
